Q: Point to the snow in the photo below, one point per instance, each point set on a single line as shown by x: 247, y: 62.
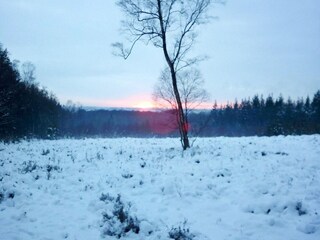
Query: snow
x: 222, y: 188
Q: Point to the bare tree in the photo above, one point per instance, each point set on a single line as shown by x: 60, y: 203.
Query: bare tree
x: 28, y: 73
x: 190, y: 86
x: 169, y: 25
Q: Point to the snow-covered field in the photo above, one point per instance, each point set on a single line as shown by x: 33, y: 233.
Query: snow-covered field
x: 223, y: 188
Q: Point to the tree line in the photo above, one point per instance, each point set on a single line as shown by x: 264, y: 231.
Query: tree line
x: 26, y: 110
x: 263, y: 117
x: 29, y: 111
x: 249, y: 117
x: 255, y: 117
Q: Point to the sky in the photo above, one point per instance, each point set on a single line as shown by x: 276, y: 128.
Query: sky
x: 253, y: 47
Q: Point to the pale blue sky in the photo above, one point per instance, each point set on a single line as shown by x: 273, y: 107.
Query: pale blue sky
x: 256, y: 46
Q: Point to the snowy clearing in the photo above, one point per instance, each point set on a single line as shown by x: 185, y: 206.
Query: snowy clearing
x: 222, y: 188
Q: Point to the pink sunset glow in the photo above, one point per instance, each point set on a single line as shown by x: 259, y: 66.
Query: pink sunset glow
x: 143, y: 102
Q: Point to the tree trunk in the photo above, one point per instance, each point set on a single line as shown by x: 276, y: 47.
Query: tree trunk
x: 183, y: 126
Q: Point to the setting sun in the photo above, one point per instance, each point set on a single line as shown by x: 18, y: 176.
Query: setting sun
x: 144, y: 105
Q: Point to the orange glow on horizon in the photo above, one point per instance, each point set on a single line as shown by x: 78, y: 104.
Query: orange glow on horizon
x: 139, y: 102
x: 142, y: 102
x: 144, y: 105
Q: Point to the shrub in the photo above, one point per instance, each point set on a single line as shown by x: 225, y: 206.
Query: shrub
x: 45, y: 152
x: 51, y: 168
x: 120, y: 221
x: 1, y: 197
x: 181, y: 233
x: 300, y: 209
x: 28, y: 167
